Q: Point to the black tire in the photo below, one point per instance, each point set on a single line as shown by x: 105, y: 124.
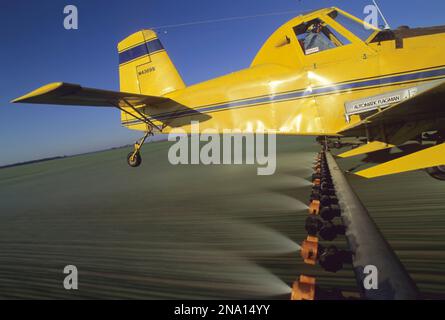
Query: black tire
x: 136, y: 161
x: 437, y: 172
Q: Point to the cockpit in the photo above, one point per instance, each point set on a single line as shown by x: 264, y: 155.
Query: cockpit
x: 317, y: 35
x: 301, y: 40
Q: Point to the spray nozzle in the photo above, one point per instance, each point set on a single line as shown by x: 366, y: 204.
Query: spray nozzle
x: 309, y: 250
x: 304, y: 288
x: 330, y: 259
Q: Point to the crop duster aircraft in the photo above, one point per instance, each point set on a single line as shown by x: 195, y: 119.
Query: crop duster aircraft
x: 324, y: 73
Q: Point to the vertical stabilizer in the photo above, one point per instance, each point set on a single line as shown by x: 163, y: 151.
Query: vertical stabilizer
x: 145, y: 67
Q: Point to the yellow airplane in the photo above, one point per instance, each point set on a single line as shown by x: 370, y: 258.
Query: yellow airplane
x: 324, y: 73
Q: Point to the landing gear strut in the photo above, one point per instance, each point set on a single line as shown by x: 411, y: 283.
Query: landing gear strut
x: 134, y: 158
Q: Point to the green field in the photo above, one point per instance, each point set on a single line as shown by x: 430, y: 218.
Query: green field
x: 193, y: 231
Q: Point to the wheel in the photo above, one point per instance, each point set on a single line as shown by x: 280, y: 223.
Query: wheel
x: 136, y: 161
x: 437, y: 172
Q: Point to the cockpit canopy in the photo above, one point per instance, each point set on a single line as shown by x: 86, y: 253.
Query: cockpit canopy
x: 316, y: 32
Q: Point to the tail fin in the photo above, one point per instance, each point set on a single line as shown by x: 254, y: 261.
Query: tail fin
x: 145, y: 67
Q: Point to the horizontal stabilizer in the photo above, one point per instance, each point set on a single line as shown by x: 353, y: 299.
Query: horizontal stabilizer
x: 427, y: 158
x: 366, y: 148
x: 60, y: 93
x: 154, y: 108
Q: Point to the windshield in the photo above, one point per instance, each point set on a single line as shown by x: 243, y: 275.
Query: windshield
x: 316, y: 36
x: 362, y: 30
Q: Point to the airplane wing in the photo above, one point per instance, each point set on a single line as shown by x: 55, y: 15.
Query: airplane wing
x: 427, y: 158
x: 60, y: 93
x: 427, y: 105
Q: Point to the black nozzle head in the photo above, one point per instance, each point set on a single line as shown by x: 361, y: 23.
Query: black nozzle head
x: 313, y: 225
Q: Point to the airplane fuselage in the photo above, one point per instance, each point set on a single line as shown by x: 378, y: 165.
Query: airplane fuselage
x: 290, y: 92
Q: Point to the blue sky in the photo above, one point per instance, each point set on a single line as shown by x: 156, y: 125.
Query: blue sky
x: 36, y: 50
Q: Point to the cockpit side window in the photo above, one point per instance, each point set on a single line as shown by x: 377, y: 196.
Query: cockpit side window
x: 316, y: 36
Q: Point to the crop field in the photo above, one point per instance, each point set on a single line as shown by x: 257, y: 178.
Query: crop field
x: 194, y: 231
